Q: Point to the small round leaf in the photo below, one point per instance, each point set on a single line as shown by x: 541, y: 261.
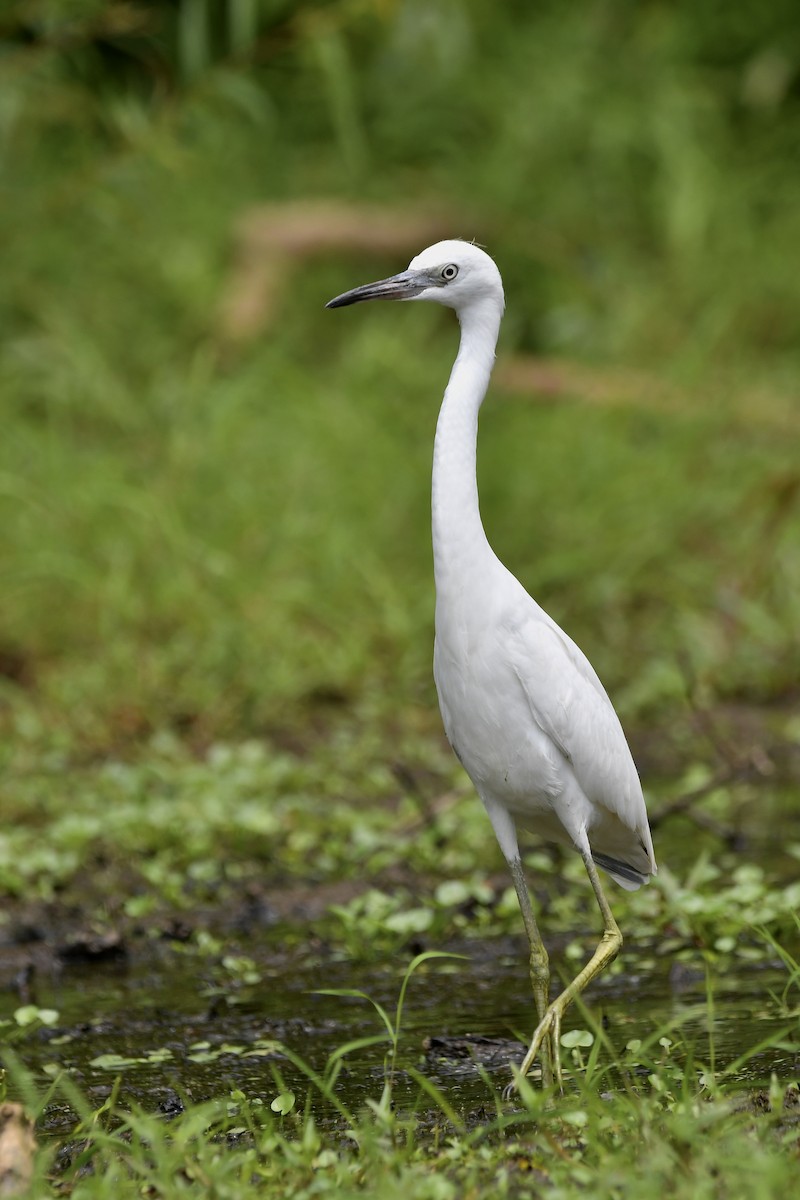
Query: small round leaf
x: 283, y: 1103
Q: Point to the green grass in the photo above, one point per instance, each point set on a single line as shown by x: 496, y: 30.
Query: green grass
x: 181, y: 548
x: 645, y: 1121
x: 194, y: 540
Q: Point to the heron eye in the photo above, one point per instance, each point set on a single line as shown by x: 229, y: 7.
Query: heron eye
x: 449, y: 272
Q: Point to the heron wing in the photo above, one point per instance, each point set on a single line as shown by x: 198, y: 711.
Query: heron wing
x: 570, y: 705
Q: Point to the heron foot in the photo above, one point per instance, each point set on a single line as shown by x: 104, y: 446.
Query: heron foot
x: 546, y: 1042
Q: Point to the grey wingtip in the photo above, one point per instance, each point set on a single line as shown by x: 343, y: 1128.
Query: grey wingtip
x: 625, y: 875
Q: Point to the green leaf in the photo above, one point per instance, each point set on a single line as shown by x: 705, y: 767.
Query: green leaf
x: 28, y: 1014
x: 283, y: 1103
x: 577, y: 1037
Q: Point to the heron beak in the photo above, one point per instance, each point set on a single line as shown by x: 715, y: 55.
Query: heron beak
x: 404, y: 286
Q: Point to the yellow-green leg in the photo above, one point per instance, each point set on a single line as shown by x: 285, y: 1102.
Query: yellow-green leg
x: 539, y: 969
x: 546, y: 1038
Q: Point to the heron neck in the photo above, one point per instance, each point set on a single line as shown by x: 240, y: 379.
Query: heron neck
x: 460, y: 547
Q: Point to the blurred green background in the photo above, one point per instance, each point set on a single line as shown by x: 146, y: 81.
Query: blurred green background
x: 227, y: 536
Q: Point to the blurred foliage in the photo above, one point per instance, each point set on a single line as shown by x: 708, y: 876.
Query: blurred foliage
x: 225, y: 544
x: 215, y: 563
x: 617, y: 139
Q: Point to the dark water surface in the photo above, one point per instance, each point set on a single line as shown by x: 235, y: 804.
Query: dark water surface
x: 190, y: 1031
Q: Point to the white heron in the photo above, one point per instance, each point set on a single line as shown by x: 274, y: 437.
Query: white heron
x: 522, y: 706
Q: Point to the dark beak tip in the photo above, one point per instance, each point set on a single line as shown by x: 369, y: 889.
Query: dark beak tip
x: 339, y: 301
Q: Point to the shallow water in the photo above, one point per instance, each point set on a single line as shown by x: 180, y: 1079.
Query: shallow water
x: 189, y: 1038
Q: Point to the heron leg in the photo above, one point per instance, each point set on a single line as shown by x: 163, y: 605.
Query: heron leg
x: 539, y: 969
x: 506, y: 833
x: 548, y: 1031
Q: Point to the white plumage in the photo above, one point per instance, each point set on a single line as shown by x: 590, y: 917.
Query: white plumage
x: 522, y: 705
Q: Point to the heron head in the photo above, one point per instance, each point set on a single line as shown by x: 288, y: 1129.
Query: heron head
x: 454, y: 273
